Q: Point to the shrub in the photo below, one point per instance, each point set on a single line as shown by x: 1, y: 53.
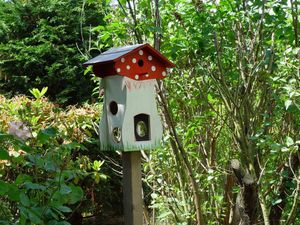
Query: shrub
x: 40, y: 44
x: 43, y: 159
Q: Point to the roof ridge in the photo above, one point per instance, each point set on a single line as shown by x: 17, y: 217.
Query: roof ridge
x: 109, y: 51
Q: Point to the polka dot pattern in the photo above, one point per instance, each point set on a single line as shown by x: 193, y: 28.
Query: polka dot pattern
x: 140, y: 65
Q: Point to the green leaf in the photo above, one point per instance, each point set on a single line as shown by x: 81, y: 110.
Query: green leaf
x: 4, y: 154
x: 76, y: 194
x: 50, y: 166
x: 210, y: 98
x: 275, y: 202
x: 63, y: 223
x: 37, y: 93
x: 44, y: 90
x: 14, y: 193
x: 45, y: 135
x: 64, y: 189
x: 4, y: 187
x: 50, y: 214
x: 289, y: 141
x: 64, y: 209
x: 6, y: 137
x: 288, y: 103
x: 24, y: 147
x: 32, y: 215
x: 164, y: 215
x: 24, y: 200
x: 97, y: 165
x: 71, y: 146
x: 33, y: 186
x: 21, y: 178
x: 210, y: 178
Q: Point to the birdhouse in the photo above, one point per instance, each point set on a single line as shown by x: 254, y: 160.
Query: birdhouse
x: 130, y: 120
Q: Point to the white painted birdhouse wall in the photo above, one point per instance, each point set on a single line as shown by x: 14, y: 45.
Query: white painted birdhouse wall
x: 113, y: 92
x: 133, y: 98
x: 140, y: 99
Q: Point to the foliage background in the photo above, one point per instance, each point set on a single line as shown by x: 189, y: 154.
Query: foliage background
x: 230, y: 108
x: 43, y: 44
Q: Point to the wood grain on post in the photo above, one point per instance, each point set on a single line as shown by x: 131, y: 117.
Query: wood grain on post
x: 132, y: 188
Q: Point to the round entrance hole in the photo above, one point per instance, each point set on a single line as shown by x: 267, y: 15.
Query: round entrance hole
x: 141, y: 63
x: 113, y: 107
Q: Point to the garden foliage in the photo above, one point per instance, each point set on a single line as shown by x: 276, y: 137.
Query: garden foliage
x: 230, y: 109
x: 43, y: 43
x: 44, y: 162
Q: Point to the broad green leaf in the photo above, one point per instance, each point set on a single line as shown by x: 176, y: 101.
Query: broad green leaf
x: 51, y: 214
x: 14, y: 193
x: 24, y: 199
x: 50, y: 166
x: 21, y: 178
x: 76, y: 194
x: 33, y: 216
x: 64, y: 189
x: 4, y: 187
x: 45, y: 135
x: 3, y: 154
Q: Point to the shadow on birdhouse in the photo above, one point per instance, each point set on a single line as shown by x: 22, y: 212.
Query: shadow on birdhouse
x: 130, y: 119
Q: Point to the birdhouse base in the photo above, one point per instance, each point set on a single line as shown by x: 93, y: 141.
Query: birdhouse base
x: 132, y: 148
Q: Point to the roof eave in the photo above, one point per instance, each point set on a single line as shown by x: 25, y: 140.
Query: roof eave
x: 97, y: 63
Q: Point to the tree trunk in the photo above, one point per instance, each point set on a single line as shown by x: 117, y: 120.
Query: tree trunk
x: 246, y: 205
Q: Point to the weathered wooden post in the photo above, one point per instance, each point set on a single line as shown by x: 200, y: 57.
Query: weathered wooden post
x: 130, y: 121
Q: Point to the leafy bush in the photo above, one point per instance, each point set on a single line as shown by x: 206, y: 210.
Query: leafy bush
x: 40, y: 44
x: 43, y: 159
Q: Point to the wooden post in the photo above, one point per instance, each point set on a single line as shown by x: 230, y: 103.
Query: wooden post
x: 132, y: 188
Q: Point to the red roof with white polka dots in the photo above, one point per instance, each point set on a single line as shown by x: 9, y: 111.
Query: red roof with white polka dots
x: 138, y: 62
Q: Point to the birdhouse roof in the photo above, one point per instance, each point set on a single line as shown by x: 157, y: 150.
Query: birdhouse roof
x: 131, y: 61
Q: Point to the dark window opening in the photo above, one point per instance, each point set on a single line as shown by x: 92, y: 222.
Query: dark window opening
x: 142, y: 127
x: 141, y: 63
x: 113, y: 107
